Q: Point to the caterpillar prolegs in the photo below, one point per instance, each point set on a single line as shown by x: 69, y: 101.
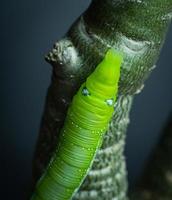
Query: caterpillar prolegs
x: 84, y: 127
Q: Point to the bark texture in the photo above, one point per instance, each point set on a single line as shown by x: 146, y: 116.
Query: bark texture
x: 136, y: 28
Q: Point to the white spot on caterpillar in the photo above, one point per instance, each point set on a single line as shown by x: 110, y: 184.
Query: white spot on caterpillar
x: 85, y: 91
x: 109, y: 102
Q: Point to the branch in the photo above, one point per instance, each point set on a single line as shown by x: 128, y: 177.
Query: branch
x: 137, y: 28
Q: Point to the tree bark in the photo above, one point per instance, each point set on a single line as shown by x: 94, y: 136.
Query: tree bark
x: 136, y: 28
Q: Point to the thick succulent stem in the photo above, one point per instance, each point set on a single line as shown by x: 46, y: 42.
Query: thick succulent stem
x: 136, y: 28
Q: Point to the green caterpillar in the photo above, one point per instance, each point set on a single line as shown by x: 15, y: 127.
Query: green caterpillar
x: 82, y: 134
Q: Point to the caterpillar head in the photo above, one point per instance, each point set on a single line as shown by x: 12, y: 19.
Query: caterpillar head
x: 103, y: 82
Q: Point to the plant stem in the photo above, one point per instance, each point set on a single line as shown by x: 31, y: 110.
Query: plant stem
x: 137, y: 29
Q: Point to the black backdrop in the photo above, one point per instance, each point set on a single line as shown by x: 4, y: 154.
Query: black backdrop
x: 28, y: 31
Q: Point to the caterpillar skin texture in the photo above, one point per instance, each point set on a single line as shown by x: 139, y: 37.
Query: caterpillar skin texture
x: 86, y: 122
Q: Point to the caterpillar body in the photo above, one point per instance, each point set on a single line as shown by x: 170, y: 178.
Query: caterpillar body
x: 81, y: 136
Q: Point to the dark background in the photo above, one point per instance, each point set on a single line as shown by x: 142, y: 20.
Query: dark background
x: 28, y: 31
